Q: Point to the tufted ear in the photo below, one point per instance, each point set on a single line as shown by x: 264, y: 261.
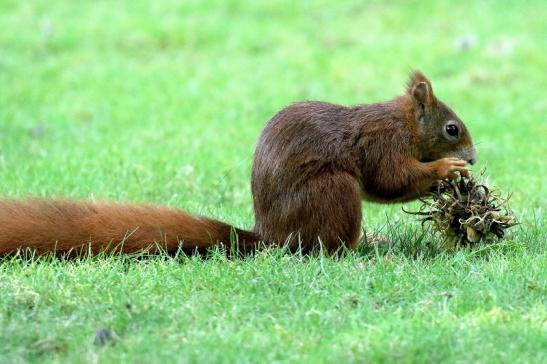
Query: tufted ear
x: 419, y: 88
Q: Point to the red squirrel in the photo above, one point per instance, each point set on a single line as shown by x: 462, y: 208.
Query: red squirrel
x: 313, y: 164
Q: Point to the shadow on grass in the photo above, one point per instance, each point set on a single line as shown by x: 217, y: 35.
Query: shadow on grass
x: 420, y: 241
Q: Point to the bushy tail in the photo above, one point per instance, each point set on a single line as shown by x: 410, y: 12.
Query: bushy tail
x: 65, y: 226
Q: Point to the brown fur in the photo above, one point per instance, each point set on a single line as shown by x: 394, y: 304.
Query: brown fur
x: 66, y: 226
x: 313, y: 164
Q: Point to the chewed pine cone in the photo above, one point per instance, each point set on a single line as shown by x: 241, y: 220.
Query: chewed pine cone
x: 466, y: 211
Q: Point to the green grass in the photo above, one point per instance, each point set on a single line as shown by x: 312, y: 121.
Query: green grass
x: 163, y: 102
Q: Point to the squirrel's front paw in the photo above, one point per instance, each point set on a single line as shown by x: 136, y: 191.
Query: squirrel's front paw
x: 447, y: 168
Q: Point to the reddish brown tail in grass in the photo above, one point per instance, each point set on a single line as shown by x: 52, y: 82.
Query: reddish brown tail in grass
x: 68, y: 226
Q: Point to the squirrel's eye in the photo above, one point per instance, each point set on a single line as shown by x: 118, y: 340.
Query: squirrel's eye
x: 452, y: 130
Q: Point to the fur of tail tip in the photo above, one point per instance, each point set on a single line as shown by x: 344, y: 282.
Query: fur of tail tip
x: 70, y: 227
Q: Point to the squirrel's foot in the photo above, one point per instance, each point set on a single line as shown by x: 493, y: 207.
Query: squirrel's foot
x: 377, y: 239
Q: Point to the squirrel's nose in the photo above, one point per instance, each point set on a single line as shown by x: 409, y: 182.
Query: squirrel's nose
x: 472, y: 157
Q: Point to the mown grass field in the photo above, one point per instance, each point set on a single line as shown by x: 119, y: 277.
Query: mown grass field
x: 163, y: 102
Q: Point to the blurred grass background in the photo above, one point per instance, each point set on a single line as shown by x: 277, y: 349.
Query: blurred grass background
x: 163, y: 102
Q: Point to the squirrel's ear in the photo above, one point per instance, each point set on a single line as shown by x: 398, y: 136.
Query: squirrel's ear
x: 420, y: 93
x: 419, y: 88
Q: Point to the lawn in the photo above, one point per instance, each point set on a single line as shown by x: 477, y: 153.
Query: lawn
x: 162, y: 102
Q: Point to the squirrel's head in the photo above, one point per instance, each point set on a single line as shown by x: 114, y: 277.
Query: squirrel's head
x: 440, y: 131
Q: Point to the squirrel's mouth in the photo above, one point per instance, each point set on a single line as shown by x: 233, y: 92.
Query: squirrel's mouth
x: 468, y: 154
